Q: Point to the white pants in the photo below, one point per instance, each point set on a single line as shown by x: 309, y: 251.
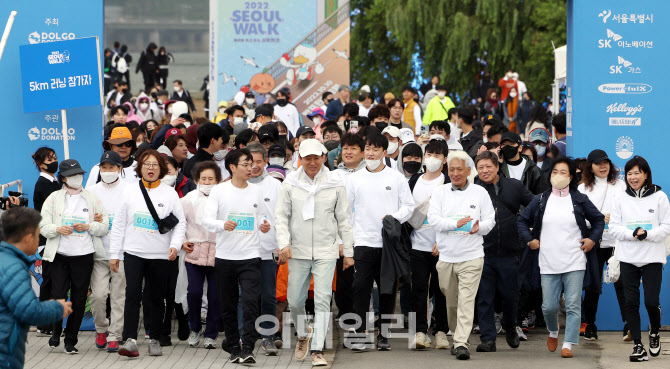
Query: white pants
x: 101, y: 287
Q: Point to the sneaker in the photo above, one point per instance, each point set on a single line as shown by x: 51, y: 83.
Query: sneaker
x: 268, y: 346
x: 71, y: 350
x: 453, y: 350
x: 441, y: 341
x: 302, y: 345
x: 279, y: 343
x: 383, y: 343
x: 420, y: 341
x: 54, y: 341
x: 129, y: 348
x: 626, y: 333
x: 487, y: 346
x: 591, y: 333
x: 155, y: 348
x: 165, y: 341
x: 183, y: 332
x: 639, y: 354
x: 654, y: 344
x: 112, y: 346
x: 512, y: 338
x: 582, y: 329
x: 101, y: 340
x: 210, y: 343
x: 247, y: 357
x: 462, y: 353
x: 450, y: 333
x: 318, y: 359
x: 566, y: 353
x: 522, y: 336
x: 475, y: 329
x: 234, y: 355
x: 194, y: 338
x: 498, y: 322
x: 524, y: 325
x: 43, y: 332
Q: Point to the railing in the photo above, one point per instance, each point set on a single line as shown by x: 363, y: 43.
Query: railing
x: 316, y: 36
x: 9, y: 185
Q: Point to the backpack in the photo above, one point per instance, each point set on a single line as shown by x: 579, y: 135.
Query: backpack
x: 120, y: 63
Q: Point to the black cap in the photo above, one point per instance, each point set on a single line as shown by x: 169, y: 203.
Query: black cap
x: 304, y: 130
x: 70, y: 167
x: 250, y: 94
x: 597, y: 156
x: 492, y: 118
x: 265, y: 110
x: 268, y: 132
x: 277, y: 149
x: 111, y: 157
x: 511, y: 136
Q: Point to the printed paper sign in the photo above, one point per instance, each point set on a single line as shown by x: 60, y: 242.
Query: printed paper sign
x: 70, y: 220
x: 111, y: 220
x: 461, y: 231
x: 144, y: 222
x: 644, y: 224
x: 245, y: 222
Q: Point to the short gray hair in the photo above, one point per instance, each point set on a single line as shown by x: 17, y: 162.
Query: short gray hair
x: 459, y: 155
x: 342, y: 88
x: 256, y: 147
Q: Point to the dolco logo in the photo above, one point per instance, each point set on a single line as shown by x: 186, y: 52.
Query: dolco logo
x: 624, y: 147
x: 625, y: 88
x: 57, y: 57
x: 36, y: 37
x: 49, y: 134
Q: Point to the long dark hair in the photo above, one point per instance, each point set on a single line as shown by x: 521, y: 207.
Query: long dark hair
x: 641, y: 163
x: 589, y: 178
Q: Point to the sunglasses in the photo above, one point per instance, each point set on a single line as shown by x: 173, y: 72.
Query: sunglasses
x: 127, y: 144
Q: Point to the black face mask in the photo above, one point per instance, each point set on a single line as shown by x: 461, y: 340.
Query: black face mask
x: 149, y: 132
x: 331, y: 144
x: 52, y: 167
x: 411, y: 167
x: 509, y: 152
x: 282, y: 102
x: 282, y: 137
x: 125, y: 91
x: 328, y: 101
x: 381, y: 125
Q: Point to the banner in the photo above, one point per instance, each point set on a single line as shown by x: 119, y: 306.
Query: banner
x: 617, y: 58
x: 265, y: 46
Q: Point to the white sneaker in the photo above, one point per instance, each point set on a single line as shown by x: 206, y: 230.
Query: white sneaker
x: 420, y: 341
x: 441, y: 341
x: 210, y: 343
x: 498, y: 322
x: 522, y: 336
x: 194, y: 338
x: 450, y: 333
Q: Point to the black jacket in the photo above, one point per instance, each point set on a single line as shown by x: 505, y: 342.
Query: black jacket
x: 532, y: 176
x: 200, y: 155
x: 124, y: 99
x: 395, y: 254
x: 547, y: 164
x: 43, y: 188
x: 531, y: 218
x: 503, y: 240
x: 148, y: 62
x: 472, y: 142
x: 185, y: 97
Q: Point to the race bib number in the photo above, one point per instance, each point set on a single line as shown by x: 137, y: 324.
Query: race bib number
x: 70, y: 220
x: 644, y: 224
x: 460, y: 231
x: 111, y: 220
x: 245, y: 222
x: 144, y: 222
x: 425, y: 224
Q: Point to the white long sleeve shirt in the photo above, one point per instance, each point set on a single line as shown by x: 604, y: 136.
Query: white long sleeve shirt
x: 289, y: 115
x: 372, y: 196
x: 270, y: 189
x: 127, y: 174
x: 243, y: 206
x: 651, y: 213
x: 110, y: 195
x: 447, y: 207
x: 134, y: 230
x: 424, y: 238
x: 603, y: 195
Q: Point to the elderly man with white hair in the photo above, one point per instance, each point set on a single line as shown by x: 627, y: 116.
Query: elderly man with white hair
x: 461, y: 213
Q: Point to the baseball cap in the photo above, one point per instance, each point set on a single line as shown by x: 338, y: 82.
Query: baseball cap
x: 70, y: 167
x: 538, y: 134
x: 264, y: 110
x: 304, y: 130
x: 597, y: 156
x: 315, y: 112
x: 249, y: 95
x: 178, y: 108
x: 275, y: 172
x: 511, y: 137
x: 277, y: 149
x: 111, y: 157
x: 172, y: 132
x: 393, y: 131
x: 310, y: 147
x: 389, y: 96
x: 268, y: 132
x: 492, y: 117
x: 120, y: 135
x: 406, y: 135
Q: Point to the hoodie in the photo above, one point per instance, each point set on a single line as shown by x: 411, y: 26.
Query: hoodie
x: 131, y: 113
x: 147, y: 63
x: 149, y: 113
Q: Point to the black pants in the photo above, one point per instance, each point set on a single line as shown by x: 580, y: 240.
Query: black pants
x: 45, y: 286
x: 368, y: 263
x: 170, y: 305
x: 162, y: 77
x: 499, y: 275
x: 71, y: 273
x: 425, y: 282
x: 230, y: 276
x: 592, y: 296
x: 155, y: 272
x: 651, y: 275
x: 344, y: 295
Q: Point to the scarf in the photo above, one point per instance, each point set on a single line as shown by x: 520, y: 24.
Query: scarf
x: 323, y: 180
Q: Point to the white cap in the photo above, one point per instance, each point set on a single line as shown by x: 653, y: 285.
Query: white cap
x: 393, y: 131
x: 164, y: 150
x: 406, y: 135
x: 324, y: 150
x: 178, y: 109
x: 515, y: 76
x: 310, y: 147
x: 365, y: 88
x: 437, y: 137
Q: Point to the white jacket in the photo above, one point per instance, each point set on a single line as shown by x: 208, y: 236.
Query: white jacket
x: 315, y: 238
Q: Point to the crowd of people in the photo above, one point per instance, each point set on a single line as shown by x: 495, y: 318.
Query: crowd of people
x: 473, y: 215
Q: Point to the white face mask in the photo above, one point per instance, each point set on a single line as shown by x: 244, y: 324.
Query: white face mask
x: 373, y: 164
x: 206, y: 189
x: 75, y: 181
x: 222, y: 110
x: 277, y: 161
x: 393, y: 147
x: 250, y: 101
x: 109, y: 177
x: 144, y: 106
x: 441, y: 94
x: 159, y: 102
x: 432, y: 164
x: 220, y: 155
x: 238, y: 120
x: 485, y: 139
x: 169, y: 110
x: 316, y: 120
x: 169, y: 180
x: 177, y: 89
x: 512, y: 94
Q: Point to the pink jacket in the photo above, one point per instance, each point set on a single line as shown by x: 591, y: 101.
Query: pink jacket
x: 204, y: 250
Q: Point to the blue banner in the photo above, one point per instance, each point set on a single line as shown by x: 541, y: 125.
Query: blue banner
x: 60, y: 75
x: 617, y: 72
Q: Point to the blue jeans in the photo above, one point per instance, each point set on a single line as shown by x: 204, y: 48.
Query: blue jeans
x: 196, y: 279
x: 552, y: 285
x: 268, y: 294
x: 299, y: 278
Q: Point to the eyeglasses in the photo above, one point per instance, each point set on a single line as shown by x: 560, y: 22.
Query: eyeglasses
x: 127, y: 144
x: 150, y: 165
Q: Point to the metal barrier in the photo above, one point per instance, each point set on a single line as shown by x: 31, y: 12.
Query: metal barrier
x: 9, y: 185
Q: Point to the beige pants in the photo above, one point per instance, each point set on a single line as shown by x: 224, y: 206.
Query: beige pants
x: 459, y: 283
x: 100, y: 289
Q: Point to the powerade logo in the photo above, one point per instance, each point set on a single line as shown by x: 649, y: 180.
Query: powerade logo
x: 36, y: 37
x: 624, y: 147
x: 49, y: 134
x: 624, y: 88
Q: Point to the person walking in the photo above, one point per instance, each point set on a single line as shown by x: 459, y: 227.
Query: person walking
x: 148, y: 64
x: 163, y: 60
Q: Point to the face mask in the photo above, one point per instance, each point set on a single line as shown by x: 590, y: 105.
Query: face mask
x: 169, y: 110
x: 485, y: 139
x: 170, y: 180
x: 432, y: 164
x: 177, y: 89
x: 75, y: 181
x: 393, y: 147
x: 316, y: 120
x: 411, y: 167
x: 381, y: 125
x: 206, y: 189
x: 509, y: 152
x: 441, y: 95
x: 282, y: 137
x: 109, y: 177
x: 282, y: 102
x: 373, y: 164
x: 159, y: 102
x: 220, y: 155
x: 238, y: 120
x: 512, y: 94
x: 277, y: 161
x: 509, y: 75
x: 250, y: 101
x: 222, y: 111
x: 331, y: 144
x: 52, y: 168
x: 559, y: 182
x: 541, y: 150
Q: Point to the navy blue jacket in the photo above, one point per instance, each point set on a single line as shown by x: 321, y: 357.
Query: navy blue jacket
x: 531, y: 217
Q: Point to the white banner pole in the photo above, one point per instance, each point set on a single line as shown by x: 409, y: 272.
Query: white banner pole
x: 66, y: 144
x: 5, y: 35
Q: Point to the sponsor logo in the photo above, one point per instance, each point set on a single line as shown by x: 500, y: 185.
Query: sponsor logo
x: 624, y: 108
x: 473, y: 206
x: 388, y: 188
x: 625, y: 121
x: 160, y: 205
x: 49, y: 134
x: 624, y: 147
x: 57, y: 57
x: 651, y: 211
x: 34, y: 134
x: 624, y: 65
x: 36, y: 37
x: 625, y: 88
x: 605, y: 15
